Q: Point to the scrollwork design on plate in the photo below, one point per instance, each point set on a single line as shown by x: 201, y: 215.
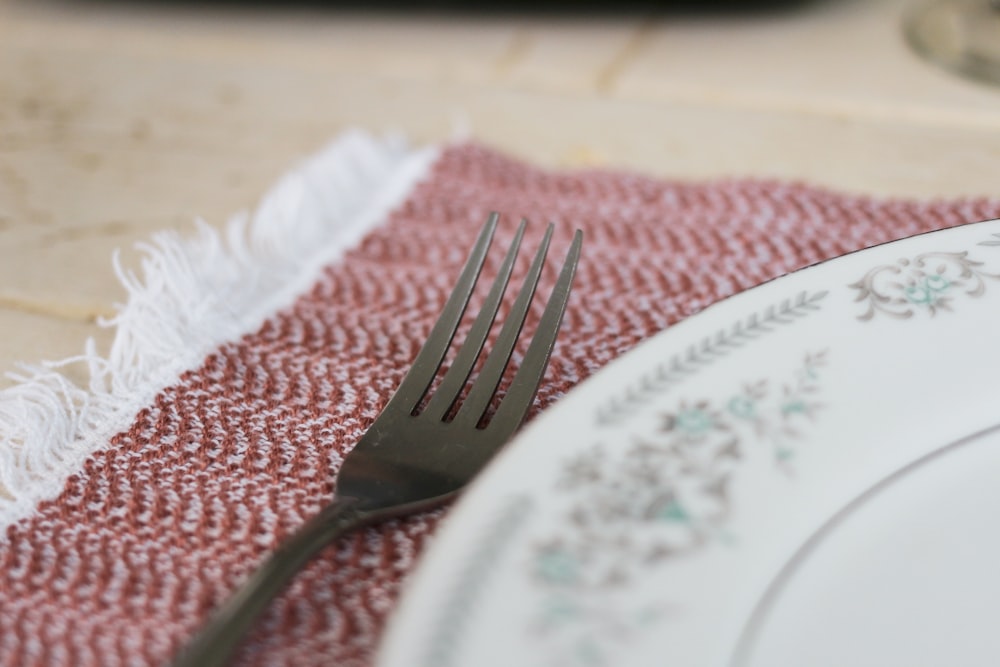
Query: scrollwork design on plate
x: 929, y: 282
x: 667, y: 495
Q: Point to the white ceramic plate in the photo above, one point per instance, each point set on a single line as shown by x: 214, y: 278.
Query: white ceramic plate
x: 805, y: 474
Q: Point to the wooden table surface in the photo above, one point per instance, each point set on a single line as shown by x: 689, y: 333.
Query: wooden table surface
x: 118, y: 119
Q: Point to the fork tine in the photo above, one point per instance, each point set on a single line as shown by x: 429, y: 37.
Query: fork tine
x: 446, y: 393
x: 418, y: 379
x: 514, y: 406
x: 485, y: 385
x: 403, y: 463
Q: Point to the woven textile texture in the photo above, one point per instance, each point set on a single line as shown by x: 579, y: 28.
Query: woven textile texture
x: 159, y: 527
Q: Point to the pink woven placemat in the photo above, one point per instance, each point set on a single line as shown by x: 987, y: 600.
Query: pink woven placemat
x: 161, y: 525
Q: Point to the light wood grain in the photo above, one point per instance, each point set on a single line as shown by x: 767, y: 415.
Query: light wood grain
x: 120, y: 119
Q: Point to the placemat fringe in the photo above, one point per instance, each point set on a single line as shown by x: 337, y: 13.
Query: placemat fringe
x: 190, y: 296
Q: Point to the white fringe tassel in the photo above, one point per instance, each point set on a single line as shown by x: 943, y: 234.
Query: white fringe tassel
x: 193, y: 295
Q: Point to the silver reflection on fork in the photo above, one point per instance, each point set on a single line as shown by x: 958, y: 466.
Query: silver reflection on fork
x: 412, y: 460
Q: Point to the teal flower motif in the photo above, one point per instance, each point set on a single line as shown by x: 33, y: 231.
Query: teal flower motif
x: 673, y: 511
x: 694, y: 421
x: 919, y: 295
x: 796, y: 407
x: 937, y: 283
x: 557, y: 567
x: 743, y: 407
x: 928, y: 291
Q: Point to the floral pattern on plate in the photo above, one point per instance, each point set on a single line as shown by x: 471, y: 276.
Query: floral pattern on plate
x: 929, y: 283
x: 612, y: 511
x: 665, y: 496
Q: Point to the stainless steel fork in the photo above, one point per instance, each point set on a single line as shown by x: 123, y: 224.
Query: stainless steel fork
x: 414, y: 458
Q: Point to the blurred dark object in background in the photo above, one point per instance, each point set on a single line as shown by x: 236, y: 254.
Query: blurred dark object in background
x: 554, y: 7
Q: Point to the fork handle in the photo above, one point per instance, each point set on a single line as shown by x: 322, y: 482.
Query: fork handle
x: 215, y: 643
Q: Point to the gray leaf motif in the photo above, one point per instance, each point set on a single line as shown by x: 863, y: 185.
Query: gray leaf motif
x: 679, y: 367
x: 993, y: 241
